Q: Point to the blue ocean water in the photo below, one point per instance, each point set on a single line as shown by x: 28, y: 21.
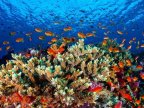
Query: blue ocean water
x: 23, y: 16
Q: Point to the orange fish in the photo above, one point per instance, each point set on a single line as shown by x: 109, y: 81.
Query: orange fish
x: 118, y: 105
x: 129, y: 47
x: 50, y: 42
x: 0, y: 49
x: 119, y: 32
x: 142, y: 75
x: 135, y: 79
x: 12, y: 33
x: 68, y: 40
x: 121, y: 45
x: 106, y: 37
x: 28, y: 34
x: 90, y: 34
x: 115, y: 68
x: 110, y: 49
x: 38, y: 30
x: 18, y: 40
x: 104, y: 43
x: 54, y: 40
x: 65, y: 39
x: 116, y: 50
x: 68, y: 29
x: 8, y: 47
x: 142, y: 97
x: 96, y: 89
x: 137, y: 102
x: 41, y: 37
x: 49, y: 33
x: 72, y: 39
x: 5, y: 42
x: 142, y: 45
x: 121, y: 64
x: 139, y: 67
x: 81, y: 35
x: 123, y: 40
x: 129, y: 79
x: 128, y: 63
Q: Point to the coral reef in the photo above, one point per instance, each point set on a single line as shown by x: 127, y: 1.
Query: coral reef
x: 76, y: 77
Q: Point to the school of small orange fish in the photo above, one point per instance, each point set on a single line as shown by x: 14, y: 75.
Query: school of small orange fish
x: 129, y: 81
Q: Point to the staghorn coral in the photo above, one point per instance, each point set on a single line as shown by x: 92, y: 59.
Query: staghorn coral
x: 60, y: 82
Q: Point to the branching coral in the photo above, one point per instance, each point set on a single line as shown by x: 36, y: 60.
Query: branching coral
x: 63, y: 81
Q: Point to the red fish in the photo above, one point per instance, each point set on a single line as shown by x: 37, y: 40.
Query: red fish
x: 27, y: 55
x: 54, y: 50
x: 43, y: 100
x: 2, y: 99
x: 118, y: 105
x: 16, y: 97
x: 96, y: 89
x: 126, y: 96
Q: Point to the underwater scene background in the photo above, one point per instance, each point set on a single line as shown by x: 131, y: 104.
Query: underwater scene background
x: 83, y: 16
x: 71, y: 53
